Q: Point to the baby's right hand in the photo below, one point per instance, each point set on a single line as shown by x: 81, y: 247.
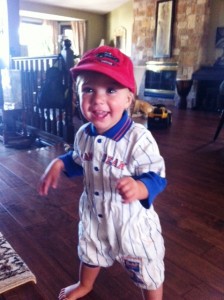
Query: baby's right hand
x: 50, y: 176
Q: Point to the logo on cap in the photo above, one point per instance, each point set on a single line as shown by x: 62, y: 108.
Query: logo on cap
x: 107, y: 58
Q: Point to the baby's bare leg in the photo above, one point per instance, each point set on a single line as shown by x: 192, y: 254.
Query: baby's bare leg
x: 154, y: 294
x: 87, y: 277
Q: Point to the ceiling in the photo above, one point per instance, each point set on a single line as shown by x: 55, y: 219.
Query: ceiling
x: 95, y: 6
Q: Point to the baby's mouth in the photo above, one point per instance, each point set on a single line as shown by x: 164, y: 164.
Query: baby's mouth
x: 100, y: 114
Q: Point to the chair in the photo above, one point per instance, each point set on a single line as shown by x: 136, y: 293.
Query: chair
x: 221, y: 106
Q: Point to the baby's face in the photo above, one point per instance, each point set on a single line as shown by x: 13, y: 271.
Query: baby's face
x: 102, y: 99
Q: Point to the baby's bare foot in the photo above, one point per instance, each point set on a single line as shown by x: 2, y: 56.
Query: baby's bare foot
x: 73, y: 292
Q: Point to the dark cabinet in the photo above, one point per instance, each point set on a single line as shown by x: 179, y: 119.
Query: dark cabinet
x: 208, y: 81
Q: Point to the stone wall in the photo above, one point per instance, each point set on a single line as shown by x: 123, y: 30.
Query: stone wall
x: 190, y: 32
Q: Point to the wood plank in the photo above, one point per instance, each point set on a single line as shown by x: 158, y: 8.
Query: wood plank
x: 197, y: 266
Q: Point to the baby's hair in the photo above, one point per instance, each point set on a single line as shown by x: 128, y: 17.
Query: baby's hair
x: 76, y: 101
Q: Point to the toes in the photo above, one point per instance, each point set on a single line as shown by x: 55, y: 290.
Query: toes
x: 62, y: 295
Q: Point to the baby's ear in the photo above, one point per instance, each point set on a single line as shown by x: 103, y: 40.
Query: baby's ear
x: 131, y: 103
x: 131, y: 97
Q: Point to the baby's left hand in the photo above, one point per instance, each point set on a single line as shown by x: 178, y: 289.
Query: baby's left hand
x: 131, y: 190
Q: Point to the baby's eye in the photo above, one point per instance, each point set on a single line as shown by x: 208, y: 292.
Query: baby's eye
x: 111, y: 90
x: 87, y: 90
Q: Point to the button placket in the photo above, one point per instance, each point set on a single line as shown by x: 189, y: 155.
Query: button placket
x: 97, y: 176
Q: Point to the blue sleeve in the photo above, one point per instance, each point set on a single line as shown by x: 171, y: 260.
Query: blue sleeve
x: 71, y: 168
x: 154, y: 184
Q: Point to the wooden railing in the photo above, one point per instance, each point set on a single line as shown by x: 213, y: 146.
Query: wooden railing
x: 54, y: 122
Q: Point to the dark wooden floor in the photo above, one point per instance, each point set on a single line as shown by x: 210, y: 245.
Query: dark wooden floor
x: 44, y: 230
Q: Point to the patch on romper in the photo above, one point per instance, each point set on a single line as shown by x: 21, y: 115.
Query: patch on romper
x: 133, y: 266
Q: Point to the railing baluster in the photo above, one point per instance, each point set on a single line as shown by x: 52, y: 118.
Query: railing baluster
x: 42, y: 119
x: 55, y: 121
x: 60, y: 122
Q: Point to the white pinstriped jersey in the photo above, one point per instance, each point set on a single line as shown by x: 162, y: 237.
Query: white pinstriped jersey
x: 109, y: 229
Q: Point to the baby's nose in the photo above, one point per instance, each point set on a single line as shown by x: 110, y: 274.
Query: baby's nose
x: 99, y: 98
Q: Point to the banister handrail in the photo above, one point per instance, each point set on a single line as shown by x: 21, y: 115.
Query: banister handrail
x: 34, y: 57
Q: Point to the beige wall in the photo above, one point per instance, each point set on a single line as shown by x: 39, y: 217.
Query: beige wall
x: 96, y: 24
x: 121, y: 17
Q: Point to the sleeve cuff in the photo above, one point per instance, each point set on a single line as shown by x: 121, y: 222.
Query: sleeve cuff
x: 71, y: 168
x: 154, y: 184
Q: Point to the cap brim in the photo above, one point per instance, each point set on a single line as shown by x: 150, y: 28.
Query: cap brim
x: 114, y: 74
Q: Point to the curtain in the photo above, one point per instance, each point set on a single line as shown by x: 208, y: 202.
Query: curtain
x: 79, y: 36
x: 50, y: 37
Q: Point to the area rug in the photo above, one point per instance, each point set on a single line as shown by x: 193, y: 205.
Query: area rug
x: 13, y: 270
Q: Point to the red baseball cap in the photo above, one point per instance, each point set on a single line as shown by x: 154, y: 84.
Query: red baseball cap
x: 109, y: 61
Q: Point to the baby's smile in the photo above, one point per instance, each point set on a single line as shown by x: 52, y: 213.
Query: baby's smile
x: 100, y: 114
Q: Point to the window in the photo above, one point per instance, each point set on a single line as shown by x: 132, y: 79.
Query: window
x: 36, y: 38
x: 66, y: 33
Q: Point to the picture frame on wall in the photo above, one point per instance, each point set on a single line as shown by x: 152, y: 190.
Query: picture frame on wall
x: 163, y: 28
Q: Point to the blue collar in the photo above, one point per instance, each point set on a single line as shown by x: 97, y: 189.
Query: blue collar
x: 116, y: 132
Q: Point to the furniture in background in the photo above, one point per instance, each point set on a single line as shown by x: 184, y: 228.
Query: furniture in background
x: 183, y: 89
x: 220, y: 125
x: 208, y: 80
x: 221, y: 107
x: 11, y: 107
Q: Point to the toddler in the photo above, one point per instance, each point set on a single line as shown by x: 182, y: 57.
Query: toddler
x: 123, y: 173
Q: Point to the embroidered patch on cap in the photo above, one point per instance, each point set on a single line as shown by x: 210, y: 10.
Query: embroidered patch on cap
x: 107, y: 57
